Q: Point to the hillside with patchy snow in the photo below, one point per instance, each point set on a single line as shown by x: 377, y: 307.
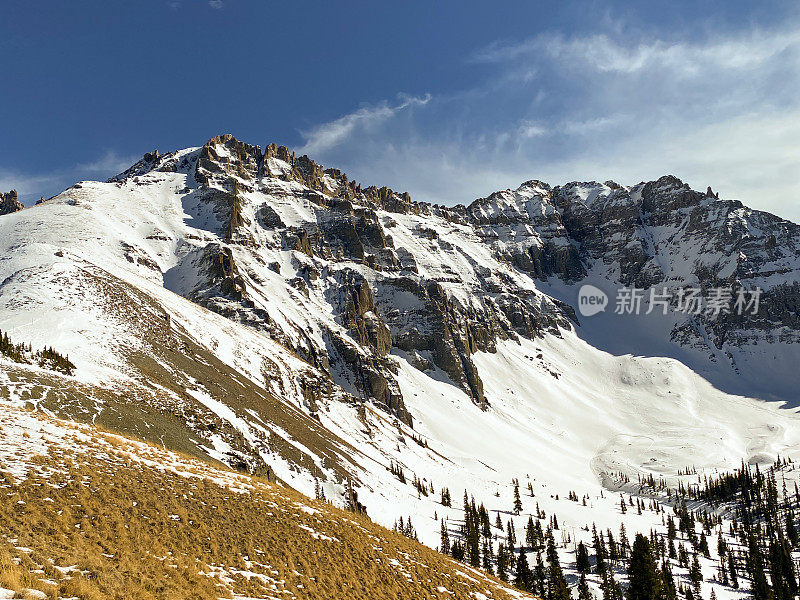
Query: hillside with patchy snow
x: 255, y: 309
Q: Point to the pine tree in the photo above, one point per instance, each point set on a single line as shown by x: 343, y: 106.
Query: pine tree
x: 530, y: 533
x: 517, y: 499
x: 791, y: 530
x: 582, y: 559
x: 445, y: 539
x: 645, y: 582
x: 487, y: 558
x: 511, y: 537
x: 522, y: 577
x: 702, y: 546
x: 668, y: 591
x: 755, y: 566
x: 583, y: 589
x: 609, y: 586
x: 732, y: 571
x: 540, y: 576
x: 624, y: 546
x: 599, y: 551
x: 696, y: 574
x: 457, y: 550
x: 502, y: 562
x: 556, y: 583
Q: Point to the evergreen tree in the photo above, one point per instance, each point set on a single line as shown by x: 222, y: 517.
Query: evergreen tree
x: 445, y: 539
x: 351, y: 502
x: 457, y: 550
x: 517, y: 499
x: 540, y: 576
x: 523, y: 577
x: 582, y: 559
x: 755, y: 567
x: 791, y: 530
x: 609, y: 586
x: 644, y: 580
x: 668, y: 591
x: 732, y: 571
x: 671, y: 533
x: 583, y: 589
x: 511, y: 536
x: 530, y: 533
x: 556, y: 583
x: 784, y: 582
x: 624, y: 545
x: 487, y: 558
x: 696, y: 574
x: 502, y: 562
x: 613, y: 553
x: 599, y: 551
x: 702, y: 546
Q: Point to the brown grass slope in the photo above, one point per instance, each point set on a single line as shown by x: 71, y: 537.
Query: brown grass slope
x: 88, y: 514
x: 162, y: 360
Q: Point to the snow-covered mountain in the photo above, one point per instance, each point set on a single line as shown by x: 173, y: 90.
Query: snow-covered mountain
x: 255, y: 308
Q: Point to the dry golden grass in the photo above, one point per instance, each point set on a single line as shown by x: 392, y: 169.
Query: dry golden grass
x: 103, y: 525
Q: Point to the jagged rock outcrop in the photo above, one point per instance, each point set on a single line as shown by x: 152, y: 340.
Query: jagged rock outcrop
x: 659, y: 233
x: 9, y: 203
x: 347, y: 276
x: 343, y: 224
x: 227, y: 160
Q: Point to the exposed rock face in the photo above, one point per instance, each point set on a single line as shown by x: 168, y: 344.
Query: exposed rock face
x: 229, y: 160
x: 371, y: 273
x: 425, y: 297
x: 9, y: 203
x: 655, y: 234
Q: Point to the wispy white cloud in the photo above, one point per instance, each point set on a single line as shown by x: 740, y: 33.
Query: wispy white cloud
x: 31, y: 186
x: 215, y: 4
x: 110, y: 162
x: 721, y: 110
x: 605, y: 54
x: 333, y: 133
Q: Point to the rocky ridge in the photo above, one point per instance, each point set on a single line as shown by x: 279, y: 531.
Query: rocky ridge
x: 344, y: 251
x: 660, y: 233
x: 348, y: 280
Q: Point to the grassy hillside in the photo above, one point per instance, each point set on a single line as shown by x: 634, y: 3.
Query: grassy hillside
x: 88, y: 514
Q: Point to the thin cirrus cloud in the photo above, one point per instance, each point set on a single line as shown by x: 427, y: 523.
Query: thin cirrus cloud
x: 604, y: 54
x: 329, y: 135
x: 722, y: 111
x: 215, y: 4
x: 30, y: 186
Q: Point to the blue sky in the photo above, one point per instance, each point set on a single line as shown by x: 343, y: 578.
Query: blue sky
x: 448, y: 100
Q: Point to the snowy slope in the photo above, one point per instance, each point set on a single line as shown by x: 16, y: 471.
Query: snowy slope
x: 258, y: 310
